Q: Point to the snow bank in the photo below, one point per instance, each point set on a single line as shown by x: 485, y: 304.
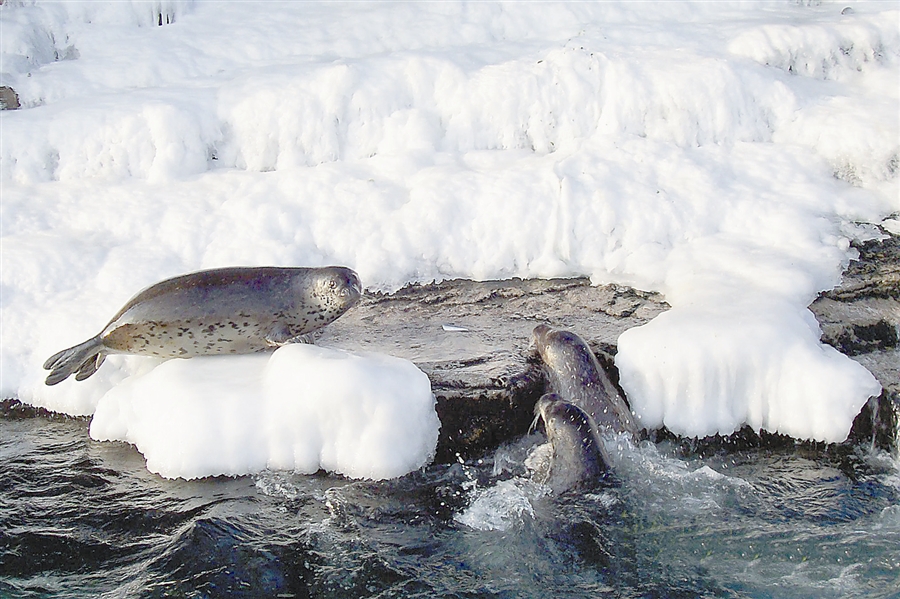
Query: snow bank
x: 301, y: 408
x: 834, y: 49
x: 768, y: 370
x: 724, y: 154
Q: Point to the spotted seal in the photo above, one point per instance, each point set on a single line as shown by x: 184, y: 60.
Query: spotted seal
x: 235, y: 310
x: 577, y: 455
x: 578, y: 378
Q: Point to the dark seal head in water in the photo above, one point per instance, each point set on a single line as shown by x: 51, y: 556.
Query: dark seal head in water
x: 576, y: 375
x: 222, y: 311
x: 577, y: 457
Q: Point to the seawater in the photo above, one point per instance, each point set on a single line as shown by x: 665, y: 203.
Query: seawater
x: 80, y: 518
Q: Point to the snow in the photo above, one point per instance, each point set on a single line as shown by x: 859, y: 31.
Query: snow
x: 301, y: 408
x: 769, y: 372
x: 724, y: 154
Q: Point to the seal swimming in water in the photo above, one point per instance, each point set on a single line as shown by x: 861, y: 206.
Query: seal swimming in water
x: 235, y: 310
x: 578, y: 378
x: 577, y: 455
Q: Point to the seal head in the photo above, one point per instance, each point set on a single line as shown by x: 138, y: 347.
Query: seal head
x: 577, y: 457
x: 213, y: 312
x: 576, y: 375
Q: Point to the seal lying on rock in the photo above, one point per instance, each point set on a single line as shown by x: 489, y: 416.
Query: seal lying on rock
x: 221, y: 311
x: 577, y: 455
x: 578, y: 378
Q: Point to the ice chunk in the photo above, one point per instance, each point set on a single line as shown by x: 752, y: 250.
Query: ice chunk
x: 702, y: 370
x: 301, y: 408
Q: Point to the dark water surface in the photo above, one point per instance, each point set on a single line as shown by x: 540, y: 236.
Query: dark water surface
x: 80, y: 518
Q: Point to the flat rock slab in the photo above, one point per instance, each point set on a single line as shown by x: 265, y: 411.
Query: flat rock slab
x: 473, y: 340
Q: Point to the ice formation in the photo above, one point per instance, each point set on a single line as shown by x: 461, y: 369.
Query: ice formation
x: 724, y: 154
x: 302, y: 408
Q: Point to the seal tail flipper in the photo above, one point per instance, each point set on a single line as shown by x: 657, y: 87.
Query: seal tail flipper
x: 83, y: 360
x: 90, y: 366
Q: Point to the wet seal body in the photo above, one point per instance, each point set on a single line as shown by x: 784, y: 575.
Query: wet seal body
x: 578, y: 378
x: 577, y: 456
x: 236, y: 310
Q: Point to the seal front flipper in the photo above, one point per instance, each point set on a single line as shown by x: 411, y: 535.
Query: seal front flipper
x: 281, y: 335
x: 81, y: 360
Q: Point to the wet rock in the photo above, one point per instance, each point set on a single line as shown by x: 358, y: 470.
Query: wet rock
x: 9, y: 100
x: 854, y: 339
x: 473, y: 340
x: 876, y: 425
x: 745, y: 439
x: 861, y: 318
x: 875, y: 274
x: 13, y: 409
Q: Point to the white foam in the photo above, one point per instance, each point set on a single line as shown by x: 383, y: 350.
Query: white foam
x: 502, y: 506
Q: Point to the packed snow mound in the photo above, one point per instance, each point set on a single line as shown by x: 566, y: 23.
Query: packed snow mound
x: 39, y: 33
x: 302, y: 408
x: 711, y: 151
x: 304, y: 115
x: 773, y: 374
x: 832, y: 50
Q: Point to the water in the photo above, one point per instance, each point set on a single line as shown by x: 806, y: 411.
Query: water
x: 85, y: 519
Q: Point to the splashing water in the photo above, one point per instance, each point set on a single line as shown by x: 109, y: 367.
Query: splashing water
x: 83, y: 519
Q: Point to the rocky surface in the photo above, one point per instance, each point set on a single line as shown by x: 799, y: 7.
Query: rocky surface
x: 9, y: 100
x: 473, y: 339
x: 861, y: 318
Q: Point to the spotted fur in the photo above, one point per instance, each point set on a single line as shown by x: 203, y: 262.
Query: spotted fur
x: 214, y: 312
x: 576, y: 375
